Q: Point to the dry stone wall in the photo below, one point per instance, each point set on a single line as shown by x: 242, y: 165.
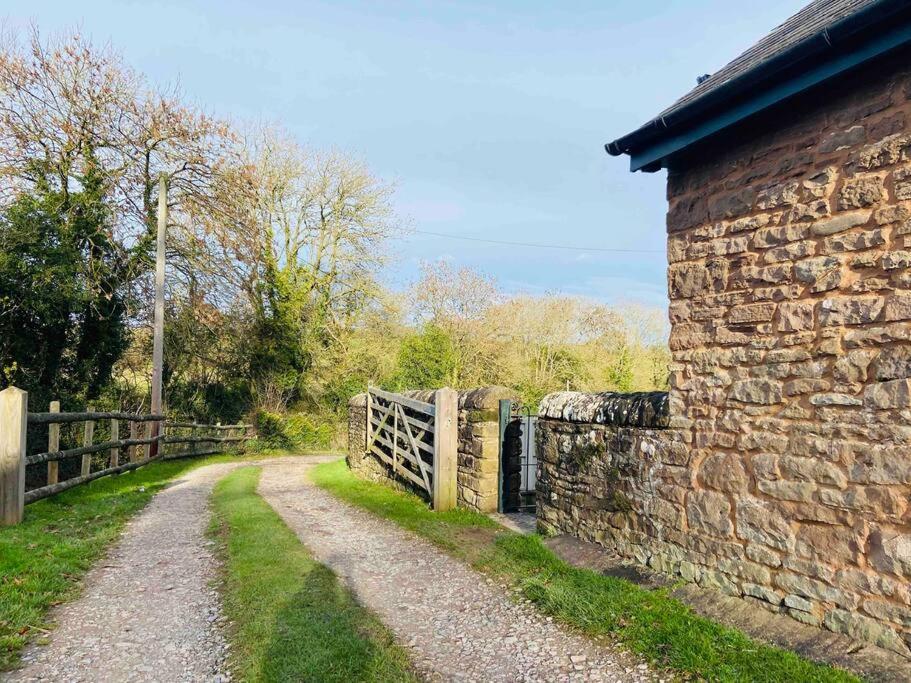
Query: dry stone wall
x: 478, y: 449
x: 790, y: 288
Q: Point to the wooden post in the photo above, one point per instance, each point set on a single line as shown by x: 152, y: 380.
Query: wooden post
x: 13, y: 424
x: 445, y: 449
x: 87, y: 436
x: 115, y: 436
x: 53, y: 444
x: 134, y: 434
x: 158, y: 331
x: 367, y: 425
x: 150, y: 431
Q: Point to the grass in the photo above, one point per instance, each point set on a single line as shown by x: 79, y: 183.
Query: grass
x: 648, y: 622
x: 43, y: 559
x: 292, y: 620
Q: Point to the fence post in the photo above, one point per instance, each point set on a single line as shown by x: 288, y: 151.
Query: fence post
x: 115, y: 436
x: 150, y: 431
x: 53, y: 445
x: 87, y: 436
x: 134, y: 434
x: 13, y: 424
x: 445, y: 449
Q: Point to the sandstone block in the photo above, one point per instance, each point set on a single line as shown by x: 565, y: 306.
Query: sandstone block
x: 850, y: 310
x: 751, y: 223
x: 832, y: 399
x: 901, y: 179
x: 822, y: 273
x: 830, y: 544
x: 761, y: 593
x: 759, y: 522
x: 840, y: 222
x: 894, y: 260
x: 750, y: 313
x: 898, y: 307
x: 886, y: 152
x: 864, y: 628
x: 784, y: 194
x: 798, y: 491
x: 796, y: 387
x: 790, y: 252
x: 762, y: 555
x: 731, y: 204
x: 888, y: 395
x: 861, y: 192
x: 777, y: 236
x: 760, y: 391
x: 843, y: 139
x: 809, y: 212
x: 853, y: 366
x: 796, y: 316
x: 894, y: 362
x: 890, y: 551
x: 854, y: 241
x: 710, y: 512
x: 725, y: 472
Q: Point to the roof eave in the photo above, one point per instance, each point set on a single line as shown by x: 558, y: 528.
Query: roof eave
x: 651, y: 146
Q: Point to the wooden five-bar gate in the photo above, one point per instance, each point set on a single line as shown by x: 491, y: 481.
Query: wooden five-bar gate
x: 417, y: 440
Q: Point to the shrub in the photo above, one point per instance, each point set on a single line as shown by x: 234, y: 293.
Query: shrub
x: 295, y: 430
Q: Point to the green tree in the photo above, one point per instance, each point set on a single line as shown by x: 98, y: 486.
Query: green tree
x: 620, y: 371
x: 63, y: 290
x: 427, y: 360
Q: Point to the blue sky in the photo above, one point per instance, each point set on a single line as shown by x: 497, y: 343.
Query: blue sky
x: 490, y: 117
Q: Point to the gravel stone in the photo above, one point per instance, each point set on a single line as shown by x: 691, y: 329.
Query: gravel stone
x: 457, y: 624
x: 148, y: 609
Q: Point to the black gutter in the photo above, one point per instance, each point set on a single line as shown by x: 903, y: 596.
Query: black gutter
x: 803, y: 54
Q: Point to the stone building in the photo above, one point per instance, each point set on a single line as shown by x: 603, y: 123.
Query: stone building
x: 784, y: 472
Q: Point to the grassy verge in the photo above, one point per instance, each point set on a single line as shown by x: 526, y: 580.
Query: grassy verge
x: 43, y: 559
x: 292, y: 619
x: 649, y: 622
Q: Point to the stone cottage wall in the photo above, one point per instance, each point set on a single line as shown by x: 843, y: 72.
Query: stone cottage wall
x: 789, y: 246
x: 478, y: 449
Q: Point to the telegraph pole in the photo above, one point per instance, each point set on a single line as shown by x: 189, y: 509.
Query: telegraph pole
x: 158, y: 333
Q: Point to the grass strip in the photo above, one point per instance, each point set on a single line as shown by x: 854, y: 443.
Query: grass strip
x: 43, y: 559
x: 649, y: 622
x: 291, y: 619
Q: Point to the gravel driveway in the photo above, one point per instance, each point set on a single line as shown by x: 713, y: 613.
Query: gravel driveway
x: 149, y: 611
x: 456, y: 624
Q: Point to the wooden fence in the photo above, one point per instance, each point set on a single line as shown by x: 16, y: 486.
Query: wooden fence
x: 417, y: 440
x: 157, y: 443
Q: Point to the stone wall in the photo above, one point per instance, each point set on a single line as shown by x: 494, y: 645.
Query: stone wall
x: 789, y: 247
x: 479, y: 447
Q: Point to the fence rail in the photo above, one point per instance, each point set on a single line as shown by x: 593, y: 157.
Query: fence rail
x: 15, y: 420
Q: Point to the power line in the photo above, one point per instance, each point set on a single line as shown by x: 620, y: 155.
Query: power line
x: 538, y: 245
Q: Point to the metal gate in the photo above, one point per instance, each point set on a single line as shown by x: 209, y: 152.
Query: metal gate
x: 518, y: 458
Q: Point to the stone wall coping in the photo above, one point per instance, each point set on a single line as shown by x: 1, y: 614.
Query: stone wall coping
x: 647, y: 409
x: 358, y: 400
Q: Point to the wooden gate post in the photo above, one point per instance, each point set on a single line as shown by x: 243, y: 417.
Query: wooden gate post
x: 445, y: 449
x: 13, y: 424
